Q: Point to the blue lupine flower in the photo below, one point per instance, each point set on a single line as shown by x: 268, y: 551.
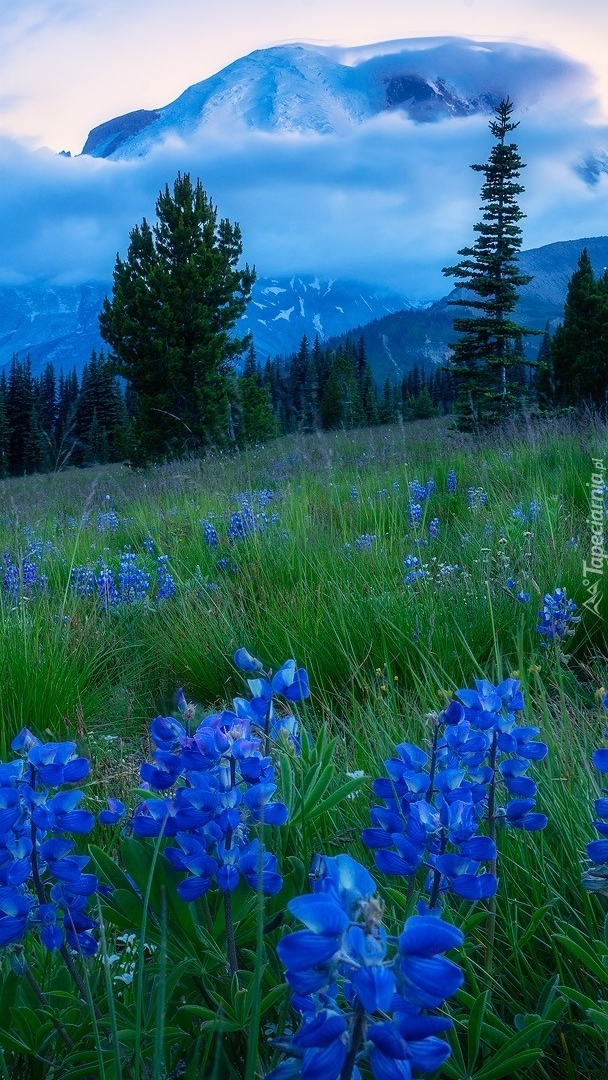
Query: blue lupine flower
x: 133, y: 582
x: 106, y: 588
x: 415, y: 512
x: 434, y: 527
x: 210, y: 533
x: 434, y: 805
x: 165, y: 585
x: 108, y: 521
x: 557, y: 618
x: 82, y: 580
x: 342, y: 979
x: 246, y: 662
x: 365, y: 542
x: 219, y: 784
x: 115, y: 812
x: 242, y: 525
x: 476, y: 498
x: 451, y: 482
x: 43, y: 881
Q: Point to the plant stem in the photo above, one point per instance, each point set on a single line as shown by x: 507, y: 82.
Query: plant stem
x: 230, y: 941
x: 491, y: 933
x: 355, y: 1043
x: 59, y: 1028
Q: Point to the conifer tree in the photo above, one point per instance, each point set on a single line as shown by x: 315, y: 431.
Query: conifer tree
x: 484, y: 361
x: 176, y: 299
x: 257, y: 417
x: 25, y: 445
x: 578, y: 363
x: 5, y: 433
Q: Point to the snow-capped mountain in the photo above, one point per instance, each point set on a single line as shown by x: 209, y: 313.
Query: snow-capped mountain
x: 312, y: 89
x: 59, y: 324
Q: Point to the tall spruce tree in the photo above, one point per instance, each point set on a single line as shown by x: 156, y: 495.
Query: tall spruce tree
x: 487, y: 359
x: 175, y: 302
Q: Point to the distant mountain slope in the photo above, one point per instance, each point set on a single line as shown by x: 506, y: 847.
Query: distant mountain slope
x: 396, y: 342
x: 59, y: 323
x: 282, y: 310
x: 52, y: 324
x: 312, y: 89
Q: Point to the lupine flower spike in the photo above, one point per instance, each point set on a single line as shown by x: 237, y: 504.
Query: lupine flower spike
x: 356, y: 1001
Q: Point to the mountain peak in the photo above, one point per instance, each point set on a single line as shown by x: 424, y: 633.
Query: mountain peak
x: 317, y: 89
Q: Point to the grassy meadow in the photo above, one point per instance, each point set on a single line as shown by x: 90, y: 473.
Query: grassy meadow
x: 323, y: 576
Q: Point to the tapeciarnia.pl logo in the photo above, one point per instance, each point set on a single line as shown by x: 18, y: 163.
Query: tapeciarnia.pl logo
x: 593, y: 570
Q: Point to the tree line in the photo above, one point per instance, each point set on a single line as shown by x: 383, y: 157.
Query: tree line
x: 51, y: 421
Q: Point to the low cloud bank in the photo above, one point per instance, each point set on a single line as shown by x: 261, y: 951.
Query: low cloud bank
x: 390, y: 202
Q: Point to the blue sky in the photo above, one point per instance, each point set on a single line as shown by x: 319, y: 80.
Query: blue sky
x: 383, y: 204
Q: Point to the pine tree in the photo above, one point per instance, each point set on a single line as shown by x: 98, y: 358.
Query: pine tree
x: 258, y: 420
x: 5, y: 434
x: 25, y: 444
x: 387, y: 413
x: 484, y: 362
x: 67, y: 398
x: 578, y: 364
x: 175, y: 301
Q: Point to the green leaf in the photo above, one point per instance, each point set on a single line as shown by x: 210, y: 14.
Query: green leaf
x: 338, y: 796
x: 494, y: 1070
x: 530, y: 930
x: 476, y: 1017
x: 579, y: 999
x: 599, y: 1018
x: 287, y: 785
x: 534, y: 1033
x: 108, y: 870
x: 314, y: 792
x: 583, y: 954
x: 124, y: 909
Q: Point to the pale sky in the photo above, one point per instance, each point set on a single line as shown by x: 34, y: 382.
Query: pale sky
x: 69, y: 65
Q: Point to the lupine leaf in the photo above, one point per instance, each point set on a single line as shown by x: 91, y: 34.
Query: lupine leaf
x: 337, y: 796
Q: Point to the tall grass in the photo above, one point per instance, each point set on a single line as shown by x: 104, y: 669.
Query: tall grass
x: 380, y: 653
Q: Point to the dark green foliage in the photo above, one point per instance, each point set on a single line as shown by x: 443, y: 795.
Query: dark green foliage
x: 25, y: 444
x: 4, y: 428
x: 175, y: 301
x: 487, y: 359
x: 545, y: 383
x: 48, y: 423
x: 257, y: 418
x: 576, y: 367
x: 100, y: 419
